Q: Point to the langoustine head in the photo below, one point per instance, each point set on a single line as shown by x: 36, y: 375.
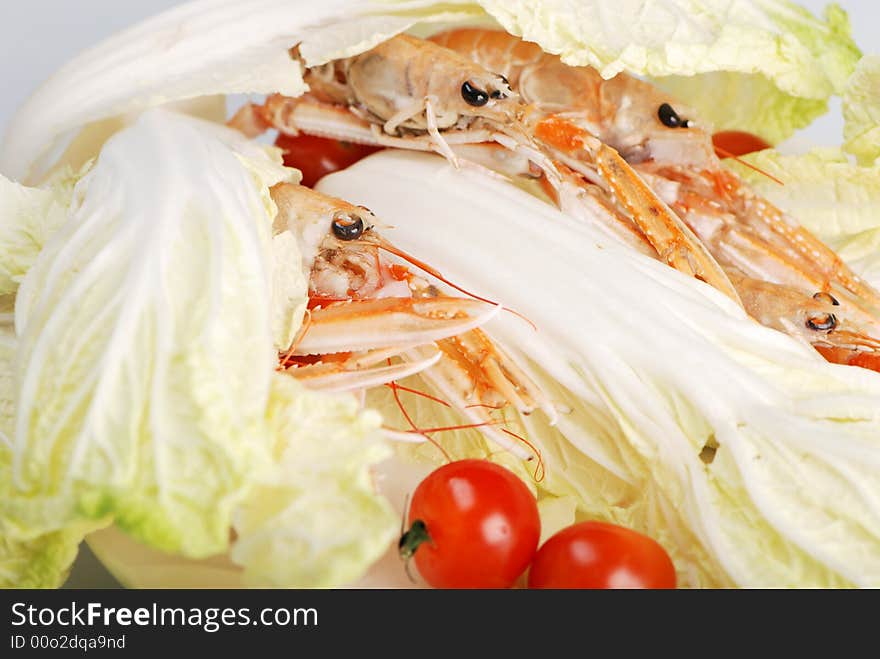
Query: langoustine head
x: 838, y: 331
x: 391, y: 84
x: 339, y: 254
x: 636, y: 118
x: 406, y: 93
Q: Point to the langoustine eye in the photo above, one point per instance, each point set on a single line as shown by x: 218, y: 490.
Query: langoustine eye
x: 348, y: 228
x: 826, y: 297
x: 822, y: 322
x: 474, y: 95
x: 669, y: 117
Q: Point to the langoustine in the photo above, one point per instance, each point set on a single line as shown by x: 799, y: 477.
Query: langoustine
x: 786, y: 278
x: 372, y: 321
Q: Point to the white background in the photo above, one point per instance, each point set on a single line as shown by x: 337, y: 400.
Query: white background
x: 38, y: 36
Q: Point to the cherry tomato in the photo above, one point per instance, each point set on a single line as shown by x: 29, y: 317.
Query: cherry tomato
x: 598, y: 555
x: 474, y: 524
x: 316, y: 157
x: 737, y: 143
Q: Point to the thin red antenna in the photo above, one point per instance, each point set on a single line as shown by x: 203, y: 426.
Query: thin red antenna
x: 418, y: 393
x: 395, y: 390
x: 465, y: 426
x: 307, y: 325
x: 538, y: 467
x: 421, y: 265
x: 487, y: 407
x: 724, y: 153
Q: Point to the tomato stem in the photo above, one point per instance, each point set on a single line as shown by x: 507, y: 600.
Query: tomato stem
x: 413, y: 539
x: 410, y: 542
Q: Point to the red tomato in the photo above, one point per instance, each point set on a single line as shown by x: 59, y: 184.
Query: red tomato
x: 598, y: 555
x: 474, y: 524
x: 316, y: 157
x: 737, y: 143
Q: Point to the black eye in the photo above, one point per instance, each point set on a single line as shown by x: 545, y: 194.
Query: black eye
x: 473, y: 95
x: 822, y: 322
x: 347, y: 229
x: 670, y: 118
x: 826, y: 297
